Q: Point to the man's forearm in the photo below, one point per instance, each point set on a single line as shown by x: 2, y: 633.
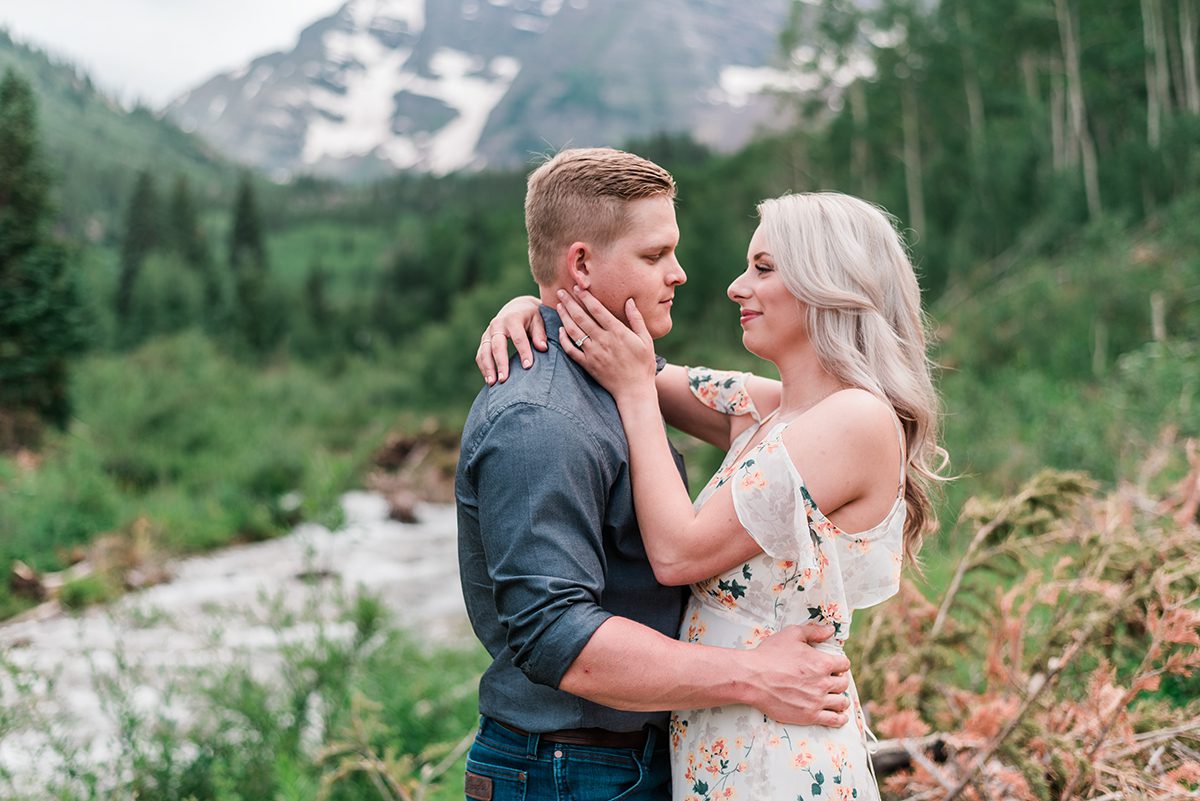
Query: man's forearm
x: 626, y: 665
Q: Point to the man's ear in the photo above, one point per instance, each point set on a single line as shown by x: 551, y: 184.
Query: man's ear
x: 579, y: 265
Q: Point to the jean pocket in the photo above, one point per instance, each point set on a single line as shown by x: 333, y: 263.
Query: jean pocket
x: 485, y: 782
x: 607, y: 780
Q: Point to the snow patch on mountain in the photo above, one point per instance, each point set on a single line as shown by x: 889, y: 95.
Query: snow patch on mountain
x: 473, y: 96
x: 357, y: 117
x: 354, y: 121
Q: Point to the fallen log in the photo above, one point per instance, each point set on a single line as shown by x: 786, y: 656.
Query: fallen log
x: 24, y: 582
x: 893, y: 756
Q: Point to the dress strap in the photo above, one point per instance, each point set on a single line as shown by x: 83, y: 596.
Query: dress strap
x: 903, y: 450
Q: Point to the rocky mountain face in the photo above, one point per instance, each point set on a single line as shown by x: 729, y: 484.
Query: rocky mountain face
x: 444, y: 85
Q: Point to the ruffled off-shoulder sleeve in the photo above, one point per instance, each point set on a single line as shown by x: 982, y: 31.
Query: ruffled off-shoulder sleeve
x: 774, y: 507
x: 722, y: 390
x: 870, y: 565
x: 768, y: 501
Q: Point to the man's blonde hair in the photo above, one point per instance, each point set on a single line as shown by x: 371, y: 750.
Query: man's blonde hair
x: 581, y: 195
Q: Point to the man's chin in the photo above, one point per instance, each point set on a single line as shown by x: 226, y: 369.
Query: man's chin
x: 659, y: 328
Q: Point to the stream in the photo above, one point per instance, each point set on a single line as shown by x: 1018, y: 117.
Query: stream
x: 238, y: 603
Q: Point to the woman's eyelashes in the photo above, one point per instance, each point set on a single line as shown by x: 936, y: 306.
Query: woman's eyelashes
x: 763, y: 268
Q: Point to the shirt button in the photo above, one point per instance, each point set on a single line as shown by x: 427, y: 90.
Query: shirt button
x: 558, y: 754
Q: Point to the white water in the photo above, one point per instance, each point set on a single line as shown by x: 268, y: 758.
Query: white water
x: 230, y: 605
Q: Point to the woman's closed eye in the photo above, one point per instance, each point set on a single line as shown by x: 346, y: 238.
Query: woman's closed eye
x: 763, y: 268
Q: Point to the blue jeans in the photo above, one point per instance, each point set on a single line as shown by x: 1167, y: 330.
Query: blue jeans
x: 515, y: 767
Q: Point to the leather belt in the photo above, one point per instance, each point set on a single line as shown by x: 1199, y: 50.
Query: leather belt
x: 599, y: 738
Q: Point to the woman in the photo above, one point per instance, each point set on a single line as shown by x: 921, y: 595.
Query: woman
x: 823, y: 492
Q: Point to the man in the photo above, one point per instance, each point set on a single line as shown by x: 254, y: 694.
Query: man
x: 555, y: 576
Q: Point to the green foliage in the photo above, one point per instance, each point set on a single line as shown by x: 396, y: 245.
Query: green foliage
x: 201, y: 445
x: 964, y: 134
x: 94, y: 589
x: 1056, y: 360
x: 40, y: 322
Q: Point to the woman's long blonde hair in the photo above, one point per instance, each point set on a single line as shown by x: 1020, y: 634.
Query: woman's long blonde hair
x: 845, y: 260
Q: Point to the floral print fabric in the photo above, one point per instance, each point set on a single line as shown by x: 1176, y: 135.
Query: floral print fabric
x: 722, y: 390
x: 809, y: 570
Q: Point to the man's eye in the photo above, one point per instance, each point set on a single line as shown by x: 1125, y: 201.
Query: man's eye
x: 653, y: 257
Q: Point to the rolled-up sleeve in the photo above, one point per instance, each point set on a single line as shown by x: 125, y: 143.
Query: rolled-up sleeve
x: 542, y: 488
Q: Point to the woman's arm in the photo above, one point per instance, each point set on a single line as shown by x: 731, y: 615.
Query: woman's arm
x: 683, y: 410
x: 682, y: 546
x: 520, y: 321
x: 685, y: 546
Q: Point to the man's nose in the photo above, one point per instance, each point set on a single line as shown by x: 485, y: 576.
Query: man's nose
x: 678, y: 276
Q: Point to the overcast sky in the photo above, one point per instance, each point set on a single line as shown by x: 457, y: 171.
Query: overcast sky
x: 153, y: 50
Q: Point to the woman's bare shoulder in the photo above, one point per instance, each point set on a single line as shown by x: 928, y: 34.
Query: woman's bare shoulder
x: 852, y: 428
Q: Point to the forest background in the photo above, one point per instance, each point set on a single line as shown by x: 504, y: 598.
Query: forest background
x: 192, y: 354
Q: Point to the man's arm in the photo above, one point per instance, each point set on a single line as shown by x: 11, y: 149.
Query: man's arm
x: 542, y: 488
x: 628, y: 666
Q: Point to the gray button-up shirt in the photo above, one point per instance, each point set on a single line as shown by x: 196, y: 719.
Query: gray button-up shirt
x: 548, y: 543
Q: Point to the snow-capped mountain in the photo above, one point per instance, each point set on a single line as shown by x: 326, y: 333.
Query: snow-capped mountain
x: 442, y: 85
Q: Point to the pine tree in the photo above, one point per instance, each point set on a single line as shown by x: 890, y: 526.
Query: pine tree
x: 142, y: 235
x: 184, y: 233
x: 186, y: 237
x: 257, y: 316
x: 246, y: 248
x: 40, y: 320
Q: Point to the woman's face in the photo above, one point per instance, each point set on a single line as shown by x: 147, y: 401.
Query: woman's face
x: 773, y: 320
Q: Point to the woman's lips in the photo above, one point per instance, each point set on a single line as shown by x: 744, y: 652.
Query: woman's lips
x: 747, y: 316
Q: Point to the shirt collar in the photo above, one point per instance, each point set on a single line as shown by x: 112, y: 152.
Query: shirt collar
x: 554, y: 324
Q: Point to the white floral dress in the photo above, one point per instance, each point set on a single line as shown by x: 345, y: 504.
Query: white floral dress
x: 809, y: 570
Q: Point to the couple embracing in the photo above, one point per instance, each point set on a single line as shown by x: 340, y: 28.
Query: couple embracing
x: 604, y: 595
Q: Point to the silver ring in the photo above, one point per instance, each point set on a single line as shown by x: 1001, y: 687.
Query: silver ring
x: 579, y: 342
x: 490, y: 337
